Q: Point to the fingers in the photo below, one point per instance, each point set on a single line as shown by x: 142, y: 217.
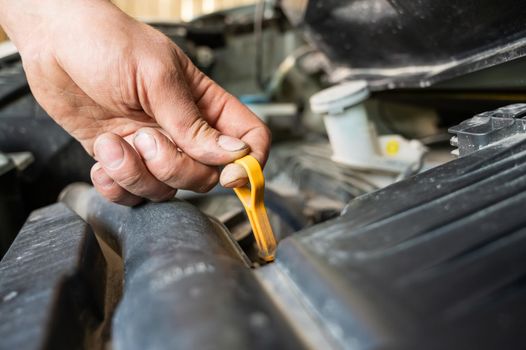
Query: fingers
x: 171, y: 166
x: 174, y: 109
x: 228, y: 115
x: 153, y: 170
x: 240, y: 122
x: 233, y: 175
x: 206, y: 122
x: 224, y: 112
x: 121, y: 163
x: 110, y: 189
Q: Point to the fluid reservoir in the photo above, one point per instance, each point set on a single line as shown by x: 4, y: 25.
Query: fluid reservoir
x: 352, y: 137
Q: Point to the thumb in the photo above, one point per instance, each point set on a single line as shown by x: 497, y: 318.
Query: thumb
x: 174, y: 109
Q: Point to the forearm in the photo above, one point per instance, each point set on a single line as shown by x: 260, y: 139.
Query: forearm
x: 22, y: 19
x: 25, y: 21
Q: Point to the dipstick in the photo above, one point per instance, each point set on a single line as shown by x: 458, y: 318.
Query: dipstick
x: 252, y: 199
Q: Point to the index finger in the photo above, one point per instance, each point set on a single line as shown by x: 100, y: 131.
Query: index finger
x: 227, y: 114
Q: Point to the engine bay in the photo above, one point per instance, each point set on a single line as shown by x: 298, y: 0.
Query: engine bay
x: 396, y: 200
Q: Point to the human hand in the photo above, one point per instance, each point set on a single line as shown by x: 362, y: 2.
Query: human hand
x: 133, y: 99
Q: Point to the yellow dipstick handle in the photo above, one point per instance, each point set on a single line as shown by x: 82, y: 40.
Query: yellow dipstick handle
x: 252, y: 199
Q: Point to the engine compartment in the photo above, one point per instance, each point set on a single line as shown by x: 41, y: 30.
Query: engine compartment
x: 429, y: 255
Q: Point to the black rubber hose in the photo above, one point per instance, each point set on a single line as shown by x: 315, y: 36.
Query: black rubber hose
x: 184, y: 288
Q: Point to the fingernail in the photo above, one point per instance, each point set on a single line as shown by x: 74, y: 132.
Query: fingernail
x: 101, y: 178
x: 231, y: 144
x: 109, y: 152
x: 233, y: 175
x: 146, y: 145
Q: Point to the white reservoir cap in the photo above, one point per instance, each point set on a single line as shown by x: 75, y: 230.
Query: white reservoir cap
x: 337, y: 98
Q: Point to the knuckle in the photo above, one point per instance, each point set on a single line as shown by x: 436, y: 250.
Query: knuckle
x: 198, y: 128
x: 209, y: 184
x: 163, y: 41
x: 167, y: 173
x: 130, y: 179
x: 266, y: 133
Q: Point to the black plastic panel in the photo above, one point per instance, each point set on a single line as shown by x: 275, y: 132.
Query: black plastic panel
x: 412, y: 43
x: 51, y: 283
x: 434, y: 262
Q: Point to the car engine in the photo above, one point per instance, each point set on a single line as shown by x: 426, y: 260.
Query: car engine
x: 394, y: 187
